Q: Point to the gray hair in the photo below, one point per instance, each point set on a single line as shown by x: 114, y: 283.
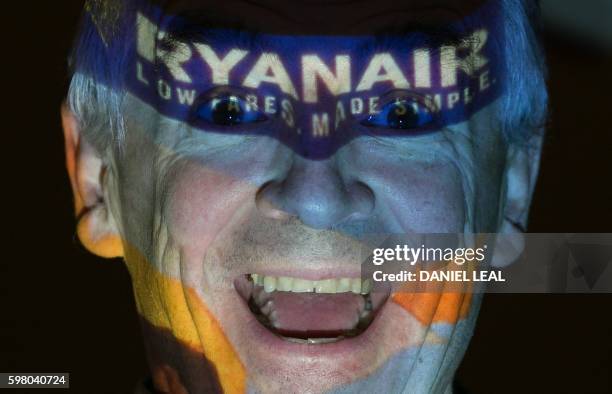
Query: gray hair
x: 524, y: 106
x: 97, y: 103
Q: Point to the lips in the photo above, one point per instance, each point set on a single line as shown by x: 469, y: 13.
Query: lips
x: 311, y: 311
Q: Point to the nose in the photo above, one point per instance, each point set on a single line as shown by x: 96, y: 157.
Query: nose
x: 316, y: 192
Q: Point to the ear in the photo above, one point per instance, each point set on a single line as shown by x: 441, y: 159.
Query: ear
x: 96, y: 228
x: 522, y: 165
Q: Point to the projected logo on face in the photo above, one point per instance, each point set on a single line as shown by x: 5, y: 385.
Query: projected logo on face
x: 316, y: 93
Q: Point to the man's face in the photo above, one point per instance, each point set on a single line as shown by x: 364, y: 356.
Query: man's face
x: 252, y: 184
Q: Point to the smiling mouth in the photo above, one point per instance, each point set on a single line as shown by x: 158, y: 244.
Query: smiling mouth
x: 311, y: 312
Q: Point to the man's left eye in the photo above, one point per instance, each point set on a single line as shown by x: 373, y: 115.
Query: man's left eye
x: 402, y: 114
x: 229, y: 111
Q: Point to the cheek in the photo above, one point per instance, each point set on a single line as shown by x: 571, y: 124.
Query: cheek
x: 426, y: 198
x: 202, y: 203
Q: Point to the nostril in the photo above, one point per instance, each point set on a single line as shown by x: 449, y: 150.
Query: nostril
x: 362, y: 200
x: 267, y: 202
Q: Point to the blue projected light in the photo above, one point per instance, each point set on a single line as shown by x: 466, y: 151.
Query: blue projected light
x: 314, y: 94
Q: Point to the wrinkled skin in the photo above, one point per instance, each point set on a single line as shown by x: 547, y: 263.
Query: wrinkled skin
x: 195, y: 210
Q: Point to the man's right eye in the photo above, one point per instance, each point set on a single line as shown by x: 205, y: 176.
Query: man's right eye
x: 228, y: 111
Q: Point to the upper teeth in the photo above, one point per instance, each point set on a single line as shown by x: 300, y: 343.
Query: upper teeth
x: 298, y: 285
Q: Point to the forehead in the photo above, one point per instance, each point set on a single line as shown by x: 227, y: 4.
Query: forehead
x: 180, y: 21
x: 323, y: 17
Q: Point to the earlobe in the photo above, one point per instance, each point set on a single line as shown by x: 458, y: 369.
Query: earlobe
x: 522, y: 165
x: 96, y: 227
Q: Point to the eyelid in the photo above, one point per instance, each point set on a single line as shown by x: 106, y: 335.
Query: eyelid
x: 395, y: 95
x: 223, y: 91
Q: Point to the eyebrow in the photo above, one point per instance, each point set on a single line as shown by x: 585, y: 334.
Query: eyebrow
x: 431, y: 37
x: 196, y: 26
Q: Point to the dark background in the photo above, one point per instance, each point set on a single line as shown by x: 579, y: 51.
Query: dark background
x: 64, y: 310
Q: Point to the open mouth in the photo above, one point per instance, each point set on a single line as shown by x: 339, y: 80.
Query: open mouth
x: 311, y: 311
